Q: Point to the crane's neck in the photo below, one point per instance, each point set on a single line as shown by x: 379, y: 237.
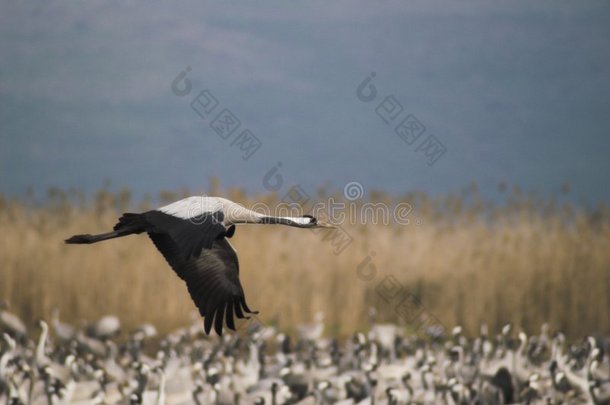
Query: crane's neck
x: 42, y: 341
x: 301, y: 222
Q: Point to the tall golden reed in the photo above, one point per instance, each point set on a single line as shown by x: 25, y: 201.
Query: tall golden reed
x: 526, y: 261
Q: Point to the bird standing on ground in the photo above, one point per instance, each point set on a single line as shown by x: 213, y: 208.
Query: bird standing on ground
x: 192, y: 235
x: 11, y: 323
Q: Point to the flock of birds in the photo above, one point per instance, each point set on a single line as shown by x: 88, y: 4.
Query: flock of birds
x: 99, y: 364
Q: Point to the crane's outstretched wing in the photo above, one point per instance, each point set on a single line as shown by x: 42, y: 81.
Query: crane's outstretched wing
x: 191, y: 234
x: 212, y: 279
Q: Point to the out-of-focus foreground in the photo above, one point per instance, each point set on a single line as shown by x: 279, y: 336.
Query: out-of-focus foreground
x: 386, y: 366
x: 459, y: 261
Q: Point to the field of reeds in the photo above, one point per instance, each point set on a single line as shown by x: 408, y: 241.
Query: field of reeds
x: 460, y: 260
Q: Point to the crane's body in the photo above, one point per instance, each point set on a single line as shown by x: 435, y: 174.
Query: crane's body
x: 192, y: 235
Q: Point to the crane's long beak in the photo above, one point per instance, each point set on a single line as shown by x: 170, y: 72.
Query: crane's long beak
x: 324, y: 224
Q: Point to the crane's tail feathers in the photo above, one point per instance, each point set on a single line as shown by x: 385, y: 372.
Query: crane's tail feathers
x: 128, y: 224
x: 135, y: 222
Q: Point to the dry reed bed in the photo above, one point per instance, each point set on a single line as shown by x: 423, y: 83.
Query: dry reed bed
x: 525, y: 262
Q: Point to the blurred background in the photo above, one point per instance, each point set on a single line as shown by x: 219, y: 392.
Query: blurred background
x: 489, y: 119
